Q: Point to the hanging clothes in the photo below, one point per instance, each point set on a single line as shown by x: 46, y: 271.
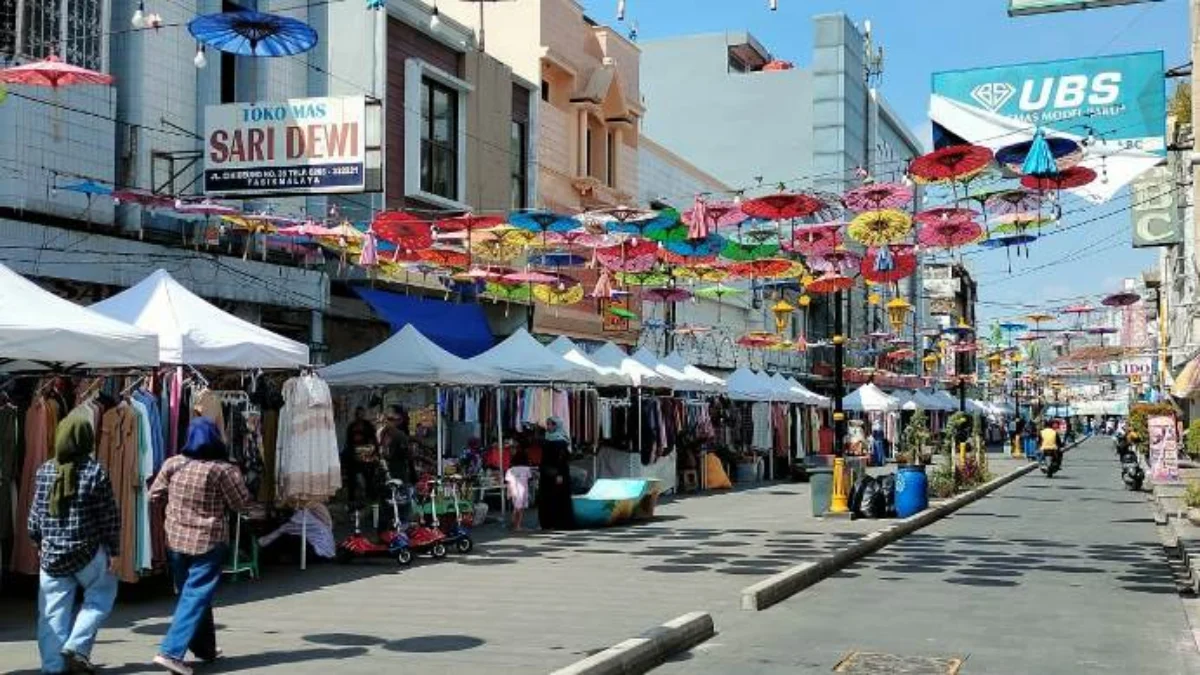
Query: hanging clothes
x: 306, y: 448
x: 118, y: 454
x: 10, y: 451
x: 40, y: 422
x: 760, y: 421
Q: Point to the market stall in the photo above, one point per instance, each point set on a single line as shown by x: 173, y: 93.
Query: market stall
x: 874, y: 408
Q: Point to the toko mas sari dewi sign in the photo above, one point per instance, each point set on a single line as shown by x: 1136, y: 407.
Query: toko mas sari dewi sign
x: 298, y: 146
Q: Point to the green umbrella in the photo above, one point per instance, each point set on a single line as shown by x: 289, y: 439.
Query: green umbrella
x: 622, y: 313
x: 747, y: 252
x: 652, y: 278
x: 718, y: 292
x: 674, y: 234
x: 508, y: 292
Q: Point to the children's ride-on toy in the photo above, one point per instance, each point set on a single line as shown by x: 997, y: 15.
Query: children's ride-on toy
x: 457, y: 533
x: 419, y: 538
x: 358, y: 545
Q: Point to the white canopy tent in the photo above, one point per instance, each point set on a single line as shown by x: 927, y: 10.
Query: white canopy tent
x: 931, y: 402
x: 906, y: 399
x: 612, y: 356
x: 408, y: 357
x: 602, y: 376
x: 869, y: 398
x: 194, y: 332
x: 809, y: 396
x: 746, y: 385
x: 707, y: 381
x: 521, y: 358
x: 38, y: 328
x: 786, y: 391
x: 676, y: 379
x: 948, y: 401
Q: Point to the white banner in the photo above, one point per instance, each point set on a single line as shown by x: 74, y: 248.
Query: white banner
x: 298, y: 146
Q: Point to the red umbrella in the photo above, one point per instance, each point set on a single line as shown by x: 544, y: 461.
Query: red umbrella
x: 468, y: 222
x: 666, y: 294
x: 758, y: 340
x: 405, y: 230
x: 715, y: 215
x: 942, y: 214
x: 141, y: 197
x: 52, y: 72
x: 783, y: 206
x: 1067, y: 179
x: 445, y: 257
x: 950, y: 234
x: 903, y: 264
x: 629, y: 256
x: 954, y: 162
x: 529, y: 278
x: 877, y: 196
x: 671, y: 258
x: 830, y: 282
x: 767, y: 268
x: 816, y: 238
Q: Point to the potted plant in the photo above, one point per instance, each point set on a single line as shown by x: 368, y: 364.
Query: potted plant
x: 1191, y: 499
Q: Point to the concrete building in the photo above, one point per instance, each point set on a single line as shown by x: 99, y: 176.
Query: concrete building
x: 459, y: 136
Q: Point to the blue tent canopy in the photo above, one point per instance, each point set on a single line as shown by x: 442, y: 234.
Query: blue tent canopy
x: 460, y: 329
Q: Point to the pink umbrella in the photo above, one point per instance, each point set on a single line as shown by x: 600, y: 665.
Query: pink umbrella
x: 52, y: 72
x: 206, y: 208
x: 836, y: 260
x: 529, y: 277
x: 141, y: 198
x: 816, y: 238
x: 715, y: 215
x: 949, y: 234
x: 666, y: 294
x: 308, y: 229
x: 942, y: 214
x: 629, y: 256
x: 1014, y: 201
x: 877, y: 196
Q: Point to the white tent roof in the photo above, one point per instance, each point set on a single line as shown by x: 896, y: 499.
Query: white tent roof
x: 869, y: 398
x: 929, y: 401
x: 705, y: 381
x: 786, y: 391
x: 604, y: 376
x: 676, y: 378
x: 408, y: 357
x: 747, y: 385
x: 976, y: 407
x: 38, y: 327
x: 614, y: 357
x: 521, y: 358
x: 906, y: 399
x: 193, y: 332
x: 809, y: 396
x: 949, y: 401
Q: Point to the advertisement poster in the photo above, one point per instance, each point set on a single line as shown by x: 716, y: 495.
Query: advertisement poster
x: 1115, y: 106
x: 298, y: 146
x: 1156, y: 220
x: 1164, y: 448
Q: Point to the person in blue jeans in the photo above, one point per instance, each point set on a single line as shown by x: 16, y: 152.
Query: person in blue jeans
x: 200, y: 487
x: 75, y: 524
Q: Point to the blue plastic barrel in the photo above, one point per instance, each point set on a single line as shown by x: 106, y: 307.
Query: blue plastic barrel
x: 912, y: 491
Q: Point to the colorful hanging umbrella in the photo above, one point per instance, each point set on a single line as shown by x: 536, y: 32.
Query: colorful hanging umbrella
x: 1078, y: 309
x: 543, y: 221
x: 647, y: 278
x: 674, y: 259
x: 1067, y: 179
x: 1007, y: 202
x: 508, y: 292
x: 1052, y: 155
x: 308, y: 229
x: 767, y: 268
x: 955, y: 162
x: 758, y: 340
x: 1008, y: 242
x: 743, y: 252
x: 942, y: 214
x: 470, y: 222
x: 815, y: 238
x: 556, y: 259
x: 715, y: 215
x: 697, y: 248
x: 52, y: 72
x: 622, y: 313
x: 1040, y: 318
x: 1012, y: 326
x: 141, y: 198
x: 529, y: 277
x: 705, y: 273
x: 879, y: 228
x: 836, y: 260
x: 558, y: 294
x: 247, y: 33
x: 500, y: 244
x: 406, y: 230
x: 877, y: 197
x: 718, y: 292
x: 1020, y: 223
x: 632, y: 220
x: 629, y: 256
x: 445, y: 258
x: 756, y: 235
x: 950, y: 234
x: 665, y: 294
x: 903, y: 263
x: 783, y: 206
x: 1123, y: 299
x: 830, y: 282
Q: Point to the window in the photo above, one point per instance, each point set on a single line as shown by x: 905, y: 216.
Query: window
x: 519, y: 163
x: 610, y: 166
x: 545, y: 90
x: 439, y: 139
x: 591, y: 169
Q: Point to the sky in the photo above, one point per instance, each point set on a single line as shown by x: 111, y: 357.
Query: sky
x: 921, y: 37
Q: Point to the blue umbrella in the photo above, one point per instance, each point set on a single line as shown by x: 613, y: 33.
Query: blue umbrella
x: 556, y: 259
x: 543, y: 221
x: 1040, y: 157
x: 248, y: 33
x: 88, y: 187
x: 1008, y: 242
x: 697, y: 248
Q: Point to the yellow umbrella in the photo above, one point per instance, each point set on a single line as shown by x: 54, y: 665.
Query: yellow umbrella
x: 880, y: 228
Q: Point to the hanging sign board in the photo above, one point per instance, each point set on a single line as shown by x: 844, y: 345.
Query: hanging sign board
x: 1028, y: 7
x: 1156, y: 220
x: 1114, y: 105
x: 297, y: 146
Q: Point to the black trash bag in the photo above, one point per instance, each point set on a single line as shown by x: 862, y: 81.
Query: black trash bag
x: 861, y: 496
x: 887, y: 487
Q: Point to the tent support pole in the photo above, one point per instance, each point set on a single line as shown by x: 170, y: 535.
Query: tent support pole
x: 304, y: 538
x: 500, y: 449
x: 437, y: 404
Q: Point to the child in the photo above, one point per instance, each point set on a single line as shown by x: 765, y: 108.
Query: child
x: 517, y: 479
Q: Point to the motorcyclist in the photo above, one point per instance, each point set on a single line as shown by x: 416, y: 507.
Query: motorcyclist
x: 1051, y: 447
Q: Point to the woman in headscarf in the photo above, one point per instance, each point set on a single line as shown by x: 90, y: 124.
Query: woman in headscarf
x: 75, y: 524
x: 554, y: 479
x: 200, y: 487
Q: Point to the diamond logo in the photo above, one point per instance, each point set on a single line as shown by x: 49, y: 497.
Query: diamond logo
x: 993, y: 95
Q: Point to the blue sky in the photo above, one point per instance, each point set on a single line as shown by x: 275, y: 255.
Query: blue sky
x: 921, y: 37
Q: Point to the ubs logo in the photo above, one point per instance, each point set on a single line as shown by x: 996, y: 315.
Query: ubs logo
x: 993, y: 95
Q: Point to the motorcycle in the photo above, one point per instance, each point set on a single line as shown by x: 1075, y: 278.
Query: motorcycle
x: 1050, y: 464
x: 1132, y: 473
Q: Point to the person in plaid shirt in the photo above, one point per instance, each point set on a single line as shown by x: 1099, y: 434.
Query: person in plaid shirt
x: 76, y: 526
x: 199, y: 486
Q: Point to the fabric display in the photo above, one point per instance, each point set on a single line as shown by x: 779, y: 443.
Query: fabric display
x: 532, y: 406
x: 306, y: 448
x: 313, y: 523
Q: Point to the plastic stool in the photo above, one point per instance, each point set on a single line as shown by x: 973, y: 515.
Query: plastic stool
x: 237, y: 566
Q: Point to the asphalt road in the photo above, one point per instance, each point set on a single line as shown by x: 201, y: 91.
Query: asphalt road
x: 1060, y: 575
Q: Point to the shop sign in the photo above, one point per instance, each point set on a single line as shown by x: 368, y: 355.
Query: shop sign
x: 1156, y: 220
x: 1164, y: 448
x: 1030, y: 7
x: 1114, y: 104
x: 297, y: 146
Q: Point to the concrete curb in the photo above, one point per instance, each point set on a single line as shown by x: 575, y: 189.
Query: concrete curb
x: 791, y: 581
x: 650, y: 649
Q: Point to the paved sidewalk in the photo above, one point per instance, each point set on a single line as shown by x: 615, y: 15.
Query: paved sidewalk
x: 1045, y: 576
x: 523, y: 604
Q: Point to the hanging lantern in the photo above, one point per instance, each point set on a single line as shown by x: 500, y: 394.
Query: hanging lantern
x: 782, y: 310
x: 804, y: 300
x: 930, y: 362
x: 994, y: 361
x: 898, y: 310
x: 807, y: 279
x: 874, y: 299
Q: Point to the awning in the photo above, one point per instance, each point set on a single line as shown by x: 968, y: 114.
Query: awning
x: 460, y: 329
x: 1187, y: 382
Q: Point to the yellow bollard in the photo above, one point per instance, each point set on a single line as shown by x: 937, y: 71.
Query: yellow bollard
x: 962, y: 454
x: 840, y: 502
x: 1016, y: 450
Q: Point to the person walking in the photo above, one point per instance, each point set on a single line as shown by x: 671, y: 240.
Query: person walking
x: 199, y: 487
x: 75, y: 524
x: 555, y: 511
